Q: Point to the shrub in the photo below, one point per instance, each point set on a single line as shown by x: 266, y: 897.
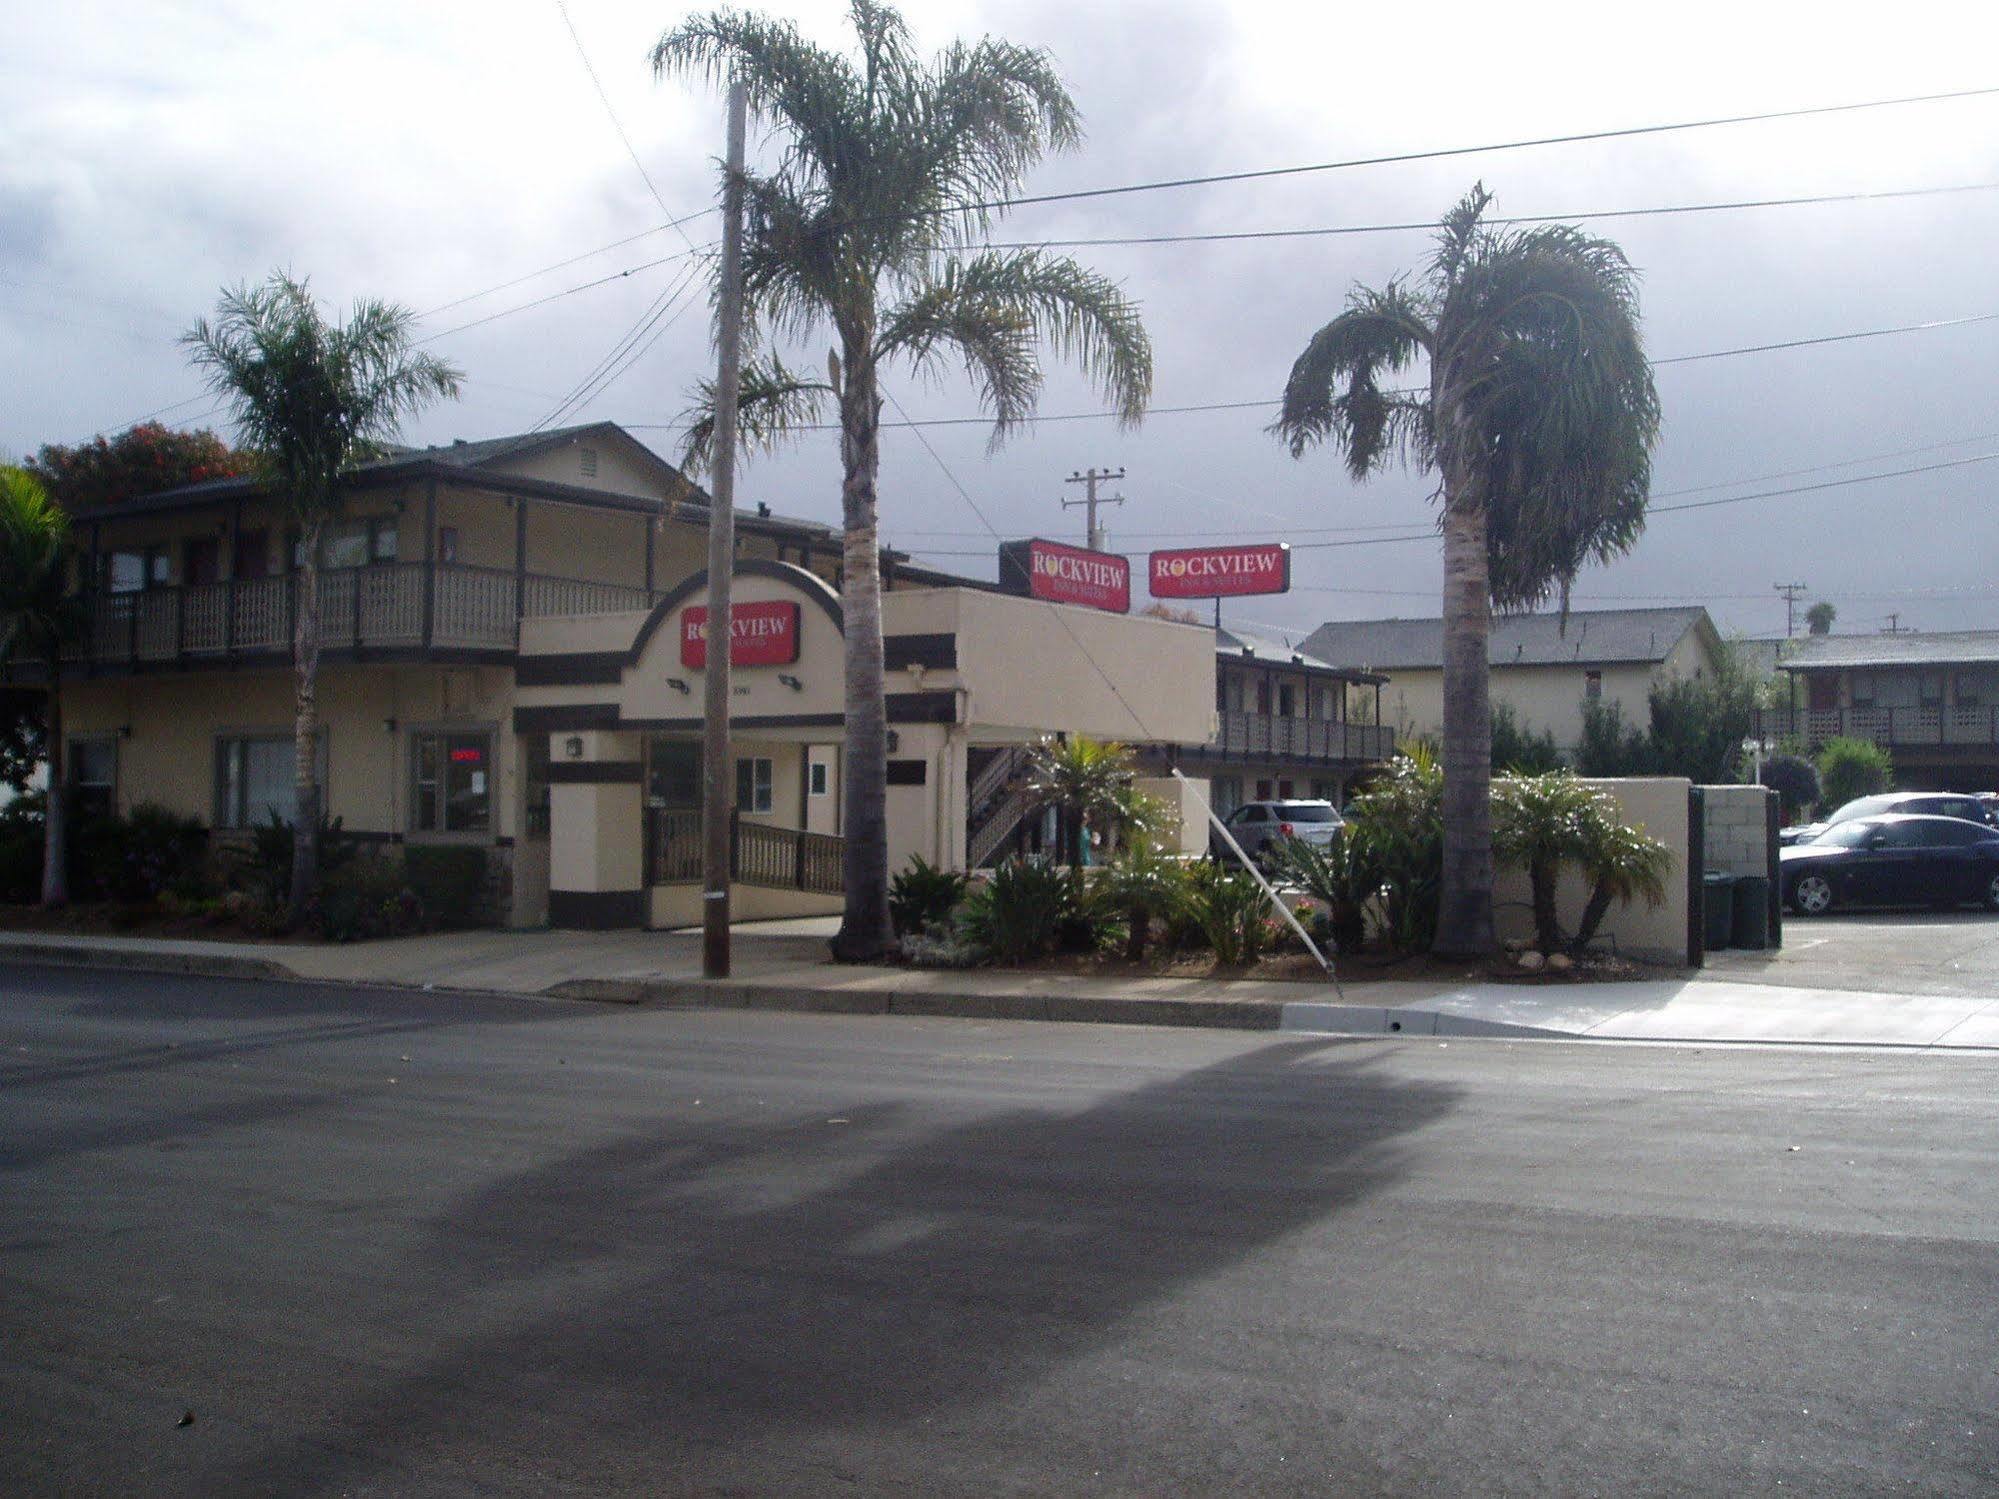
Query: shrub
x: 136, y: 858
x: 1516, y: 748
x: 449, y: 882
x: 1542, y: 823
x: 1609, y: 746
x: 1019, y: 913
x: 1141, y: 882
x: 1853, y: 767
x: 1231, y: 911
x: 21, y: 849
x: 1341, y: 877
x: 365, y: 898
x: 271, y: 857
x: 1794, y: 780
x: 941, y: 950
x: 1398, y: 825
x: 1623, y: 864
x: 923, y: 896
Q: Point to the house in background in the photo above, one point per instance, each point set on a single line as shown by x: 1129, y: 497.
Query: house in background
x: 1543, y: 668
x: 1932, y: 700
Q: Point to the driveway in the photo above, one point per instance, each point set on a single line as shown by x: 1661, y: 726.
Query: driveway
x: 1945, y: 953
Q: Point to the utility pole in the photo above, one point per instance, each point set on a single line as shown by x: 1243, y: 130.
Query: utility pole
x: 718, y: 785
x: 1092, y: 478
x: 1894, y: 625
x: 1791, y: 593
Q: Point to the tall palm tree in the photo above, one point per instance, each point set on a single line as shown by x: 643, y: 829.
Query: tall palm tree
x: 38, y: 615
x: 311, y: 399
x: 1087, y: 780
x: 1538, y: 421
x: 889, y: 169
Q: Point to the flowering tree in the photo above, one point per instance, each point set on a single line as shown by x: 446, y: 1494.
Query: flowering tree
x: 140, y: 460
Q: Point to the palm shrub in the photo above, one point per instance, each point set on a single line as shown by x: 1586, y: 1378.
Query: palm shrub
x: 1230, y: 909
x: 1018, y: 914
x: 1543, y: 823
x: 38, y: 618
x: 1622, y: 863
x: 1141, y: 882
x: 890, y: 170
x: 1795, y: 780
x: 923, y: 896
x: 1342, y: 877
x: 1398, y: 822
x: 1853, y: 767
x: 1089, y: 782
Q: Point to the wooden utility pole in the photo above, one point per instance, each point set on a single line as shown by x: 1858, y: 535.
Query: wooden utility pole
x: 718, y: 783
x: 1791, y: 592
x: 1092, y: 478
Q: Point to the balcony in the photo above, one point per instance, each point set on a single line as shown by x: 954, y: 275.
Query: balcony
x: 1907, y: 727
x: 1249, y: 735
x: 407, y: 606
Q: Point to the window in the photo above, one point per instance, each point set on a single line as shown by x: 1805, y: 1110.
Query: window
x: 447, y: 543
x: 451, y: 788
x: 816, y: 785
x: 1929, y: 689
x: 201, y: 560
x: 256, y: 777
x: 1967, y: 687
x: 253, y: 554
x: 1263, y: 695
x: 92, y: 773
x: 1284, y: 789
x: 673, y: 773
x: 1263, y: 791
x: 753, y: 785
x: 356, y: 543
x: 1287, y: 701
x: 587, y: 461
x: 1593, y: 686
x: 135, y: 568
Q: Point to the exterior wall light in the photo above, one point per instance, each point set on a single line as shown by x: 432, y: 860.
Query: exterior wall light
x: 677, y: 684
x: 573, y: 747
x: 790, y: 681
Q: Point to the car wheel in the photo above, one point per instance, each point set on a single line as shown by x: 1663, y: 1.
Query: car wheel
x: 1992, y: 891
x: 1812, y: 895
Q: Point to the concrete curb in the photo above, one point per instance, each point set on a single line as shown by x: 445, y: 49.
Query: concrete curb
x: 201, y: 965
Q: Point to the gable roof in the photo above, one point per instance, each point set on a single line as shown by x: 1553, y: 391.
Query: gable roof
x: 1592, y: 637
x: 1904, y: 648
x: 1248, y: 642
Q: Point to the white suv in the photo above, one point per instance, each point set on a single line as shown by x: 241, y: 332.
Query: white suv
x: 1258, y: 825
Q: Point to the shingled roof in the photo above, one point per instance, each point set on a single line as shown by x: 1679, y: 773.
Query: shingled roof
x: 1590, y: 637
x: 1248, y: 643
x: 1904, y: 648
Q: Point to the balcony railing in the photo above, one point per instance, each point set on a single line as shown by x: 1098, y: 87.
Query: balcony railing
x: 379, y: 607
x: 1244, y: 734
x: 1914, y: 727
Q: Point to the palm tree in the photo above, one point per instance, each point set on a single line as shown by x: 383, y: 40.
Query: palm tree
x: 1088, y: 781
x: 1819, y: 618
x: 310, y: 400
x: 37, y: 616
x: 889, y: 170
x: 1538, y: 420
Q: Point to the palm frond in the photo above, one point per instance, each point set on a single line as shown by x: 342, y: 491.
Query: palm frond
x: 1335, y: 393
x: 773, y: 402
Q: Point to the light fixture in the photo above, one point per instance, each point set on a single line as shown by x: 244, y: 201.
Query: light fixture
x: 677, y: 684
x: 124, y: 731
x: 573, y: 746
x: 894, y: 741
x: 790, y: 681
x: 389, y: 725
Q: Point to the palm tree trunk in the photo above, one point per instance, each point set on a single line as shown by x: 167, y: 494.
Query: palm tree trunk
x: 305, y: 741
x: 55, y: 813
x: 865, y: 932
x: 1593, y: 914
x: 1464, y: 915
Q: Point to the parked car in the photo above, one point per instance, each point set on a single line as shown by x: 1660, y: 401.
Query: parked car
x: 1258, y: 825
x: 1893, y: 860
x: 1924, y: 803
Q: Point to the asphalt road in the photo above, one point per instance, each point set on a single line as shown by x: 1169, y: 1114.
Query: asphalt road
x: 398, y: 1244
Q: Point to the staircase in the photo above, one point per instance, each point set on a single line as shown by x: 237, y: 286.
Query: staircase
x: 998, y: 799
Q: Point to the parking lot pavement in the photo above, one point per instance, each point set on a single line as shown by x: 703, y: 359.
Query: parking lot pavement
x: 1954, y: 953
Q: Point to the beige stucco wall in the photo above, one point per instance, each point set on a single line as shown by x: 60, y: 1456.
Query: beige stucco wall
x: 1187, y: 817
x: 1657, y: 804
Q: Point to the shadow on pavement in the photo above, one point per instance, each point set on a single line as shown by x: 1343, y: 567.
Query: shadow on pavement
x: 641, y: 1312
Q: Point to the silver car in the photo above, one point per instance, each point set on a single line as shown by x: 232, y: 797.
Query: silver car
x: 1258, y: 825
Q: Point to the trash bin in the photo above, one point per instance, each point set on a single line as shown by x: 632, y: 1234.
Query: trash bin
x: 1751, y: 927
x: 1718, y: 909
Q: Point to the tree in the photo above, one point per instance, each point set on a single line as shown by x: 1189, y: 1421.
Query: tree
x: 141, y: 460
x: 1622, y: 863
x: 1609, y: 746
x: 1794, y: 779
x: 890, y: 168
x: 1538, y: 419
x: 1087, y: 780
x: 37, y: 618
x: 1699, y: 723
x: 310, y: 399
x: 1853, y: 767
x: 1517, y: 747
x: 1819, y: 618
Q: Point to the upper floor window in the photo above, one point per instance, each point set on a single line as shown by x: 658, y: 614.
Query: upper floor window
x: 92, y: 773
x: 1287, y: 701
x: 1593, y: 685
x: 131, y: 569
x: 352, y: 543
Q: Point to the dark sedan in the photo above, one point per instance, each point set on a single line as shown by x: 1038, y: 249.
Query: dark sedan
x: 1896, y: 860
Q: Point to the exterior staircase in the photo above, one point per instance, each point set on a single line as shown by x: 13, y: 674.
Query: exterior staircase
x: 998, y: 799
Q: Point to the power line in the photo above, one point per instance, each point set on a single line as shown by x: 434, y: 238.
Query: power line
x: 1624, y: 133
x: 556, y: 296
x: 1426, y: 224
x: 564, y: 264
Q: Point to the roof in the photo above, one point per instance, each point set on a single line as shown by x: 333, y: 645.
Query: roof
x: 1904, y: 648
x: 1239, y: 642
x: 1590, y: 637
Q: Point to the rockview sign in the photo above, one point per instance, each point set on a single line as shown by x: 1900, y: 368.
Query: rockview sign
x: 1066, y: 575
x: 764, y: 633
x: 1221, y: 572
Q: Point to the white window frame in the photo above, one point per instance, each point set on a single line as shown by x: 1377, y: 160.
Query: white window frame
x: 819, y: 779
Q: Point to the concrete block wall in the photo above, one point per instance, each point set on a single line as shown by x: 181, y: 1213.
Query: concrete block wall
x: 1737, y: 829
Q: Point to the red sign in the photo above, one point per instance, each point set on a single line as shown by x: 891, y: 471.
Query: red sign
x: 467, y: 756
x: 1066, y: 575
x: 1221, y: 572
x: 761, y: 634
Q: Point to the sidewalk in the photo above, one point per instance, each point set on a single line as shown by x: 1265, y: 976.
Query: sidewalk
x: 783, y: 965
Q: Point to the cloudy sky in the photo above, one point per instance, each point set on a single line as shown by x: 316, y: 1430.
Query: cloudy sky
x: 152, y: 152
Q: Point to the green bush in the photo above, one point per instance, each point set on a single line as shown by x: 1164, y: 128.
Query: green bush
x: 1231, y: 911
x: 1853, y: 767
x: 365, y: 898
x: 1398, y: 828
x: 449, y: 882
x: 137, y: 858
x: 923, y: 897
x: 1518, y: 749
x: 1609, y: 746
x: 1341, y: 878
x: 1020, y: 913
x: 271, y: 858
x: 21, y: 850
x: 1794, y: 780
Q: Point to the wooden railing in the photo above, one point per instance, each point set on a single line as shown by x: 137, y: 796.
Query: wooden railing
x: 774, y: 858
x: 370, y: 607
x: 1914, y: 727
x: 1302, y: 738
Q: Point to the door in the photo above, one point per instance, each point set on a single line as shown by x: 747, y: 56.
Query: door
x: 1900, y: 865
x: 201, y: 561
x: 672, y: 810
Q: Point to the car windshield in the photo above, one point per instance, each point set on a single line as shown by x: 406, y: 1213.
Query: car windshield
x: 1860, y: 808
x: 1847, y: 834
x: 1308, y: 812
